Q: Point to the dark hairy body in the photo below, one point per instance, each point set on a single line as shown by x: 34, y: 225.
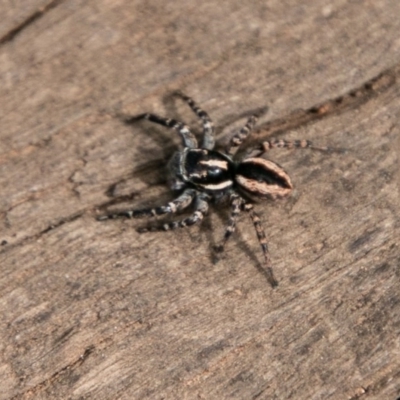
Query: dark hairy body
x: 203, y: 175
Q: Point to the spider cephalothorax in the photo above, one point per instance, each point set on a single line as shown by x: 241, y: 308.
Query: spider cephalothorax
x: 203, y: 175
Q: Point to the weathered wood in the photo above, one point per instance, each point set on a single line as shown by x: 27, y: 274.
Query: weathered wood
x: 94, y: 309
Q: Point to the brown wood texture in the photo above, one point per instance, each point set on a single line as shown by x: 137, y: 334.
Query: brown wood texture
x: 93, y: 309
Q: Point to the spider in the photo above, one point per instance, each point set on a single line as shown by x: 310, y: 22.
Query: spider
x: 203, y: 174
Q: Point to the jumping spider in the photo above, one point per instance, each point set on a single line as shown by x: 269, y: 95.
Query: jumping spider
x: 203, y: 175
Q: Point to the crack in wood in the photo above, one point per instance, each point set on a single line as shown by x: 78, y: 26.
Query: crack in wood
x: 9, y: 36
x: 101, y: 344
x: 354, y: 98
x: 36, y: 236
x: 47, y: 382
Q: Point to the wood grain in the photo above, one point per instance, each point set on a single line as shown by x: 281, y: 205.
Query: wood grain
x: 95, y: 310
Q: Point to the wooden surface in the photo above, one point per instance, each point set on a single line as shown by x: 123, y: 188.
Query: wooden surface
x: 95, y: 310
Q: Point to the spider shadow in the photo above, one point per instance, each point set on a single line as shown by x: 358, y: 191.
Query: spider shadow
x: 155, y: 167
x: 119, y: 192
x: 236, y: 239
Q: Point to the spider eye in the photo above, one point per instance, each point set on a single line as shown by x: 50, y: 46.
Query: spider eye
x: 263, y: 178
x: 214, y: 172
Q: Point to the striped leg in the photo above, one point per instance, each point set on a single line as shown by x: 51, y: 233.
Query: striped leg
x: 238, y: 139
x: 288, y: 144
x: 201, y: 209
x: 174, y: 206
x: 208, y: 126
x: 187, y: 137
x: 236, y: 203
x: 263, y: 242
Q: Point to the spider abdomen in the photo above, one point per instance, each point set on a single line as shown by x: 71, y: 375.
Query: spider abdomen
x: 262, y: 177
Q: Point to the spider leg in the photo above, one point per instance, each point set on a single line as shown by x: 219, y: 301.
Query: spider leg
x: 282, y: 143
x: 201, y: 209
x: 208, y: 126
x: 239, y: 137
x: 262, y: 240
x: 174, y: 206
x: 188, y: 138
x: 236, y: 203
